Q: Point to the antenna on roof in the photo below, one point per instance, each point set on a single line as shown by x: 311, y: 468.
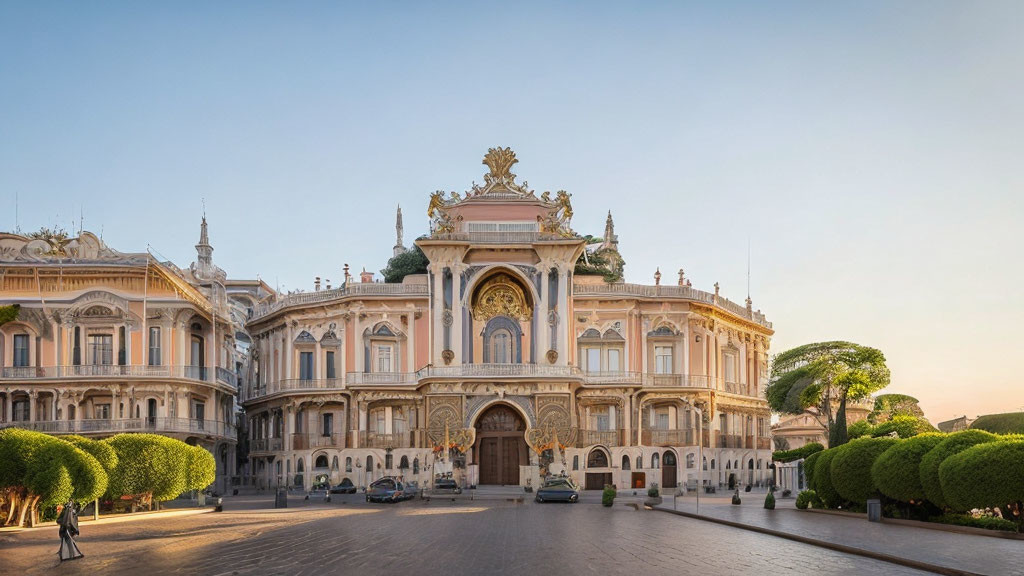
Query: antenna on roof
x: 81, y: 219
x: 748, y: 267
x: 204, y: 207
x: 17, y: 226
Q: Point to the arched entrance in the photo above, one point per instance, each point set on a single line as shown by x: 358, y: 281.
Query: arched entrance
x: 668, y: 470
x: 500, y: 447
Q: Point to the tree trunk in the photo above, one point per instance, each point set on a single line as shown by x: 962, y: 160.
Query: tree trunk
x: 26, y: 505
x: 12, y: 507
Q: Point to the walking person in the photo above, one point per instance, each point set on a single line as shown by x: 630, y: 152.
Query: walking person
x: 68, y: 522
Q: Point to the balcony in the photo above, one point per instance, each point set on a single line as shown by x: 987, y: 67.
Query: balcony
x: 764, y: 443
x: 304, y: 441
x: 685, y: 437
x: 738, y: 388
x: 266, y: 445
x: 679, y: 381
x: 253, y: 392
x: 200, y: 373
x: 396, y: 440
x: 114, y: 426
x: 628, y: 378
x: 730, y: 441
x: 610, y: 438
x: 499, y: 371
x: 380, y: 378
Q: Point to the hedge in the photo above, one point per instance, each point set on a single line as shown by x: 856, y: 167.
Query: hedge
x: 41, y: 471
x: 859, y: 429
x: 897, y: 472
x: 904, y: 425
x: 1007, y: 423
x: 823, y: 479
x: 850, y: 468
x: 797, y: 453
x: 202, y: 469
x: 148, y: 464
x: 807, y: 498
x: 953, y: 444
x: 101, y: 451
x: 809, y: 465
x: 988, y: 475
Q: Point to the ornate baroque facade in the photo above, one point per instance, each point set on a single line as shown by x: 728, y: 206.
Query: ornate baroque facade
x: 502, y: 355
x: 108, y: 342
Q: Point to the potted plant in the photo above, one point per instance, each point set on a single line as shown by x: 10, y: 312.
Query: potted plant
x: 608, y: 496
x: 736, y: 497
x: 769, y: 500
x: 653, y: 496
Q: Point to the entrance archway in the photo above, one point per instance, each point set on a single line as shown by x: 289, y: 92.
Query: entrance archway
x: 668, y: 470
x: 500, y: 447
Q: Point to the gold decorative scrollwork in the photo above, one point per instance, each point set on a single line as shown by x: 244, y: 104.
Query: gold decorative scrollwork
x: 501, y: 296
x: 500, y: 161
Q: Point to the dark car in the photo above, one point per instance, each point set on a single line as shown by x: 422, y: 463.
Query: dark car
x: 559, y: 490
x: 346, y: 487
x: 387, y: 489
x: 446, y: 486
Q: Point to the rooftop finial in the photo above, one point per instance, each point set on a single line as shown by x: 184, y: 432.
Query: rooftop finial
x: 399, y: 233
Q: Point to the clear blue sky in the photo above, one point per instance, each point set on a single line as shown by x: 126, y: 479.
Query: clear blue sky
x: 872, y: 152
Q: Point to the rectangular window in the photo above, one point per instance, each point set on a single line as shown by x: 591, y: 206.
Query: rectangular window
x: 329, y: 361
x: 328, y: 424
x: 660, y: 419
x: 377, y: 420
x: 101, y: 349
x: 199, y: 413
x: 21, y: 349
x: 101, y: 411
x: 154, y: 346
x: 614, y: 360
x: 601, y: 419
x: 729, y: 367
x: 20, y: 409
x: 305, y: 365
x: 663, y: 360
x: 384, y: 359
x: 593, y: 359
x: 398, y: 420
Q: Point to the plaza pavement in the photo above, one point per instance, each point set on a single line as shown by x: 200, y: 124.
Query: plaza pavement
x: 957, y: 551
x: 477, y: 537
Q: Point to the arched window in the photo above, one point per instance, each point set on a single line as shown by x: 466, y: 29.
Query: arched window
x: 712, y: 463
x: 415, y: 465
x: 654, y: 460
x: 689, y: 461
x: 669, y: 459
x: 597, y: 459
x: 403, y: 464
x: 501, y: 346
x: 369, y: 464
x: 334, y: 464
x: 640, y: 462
x: 625, y: 462
x: 576, y: 462
x: 348, y: 464
x: 705, y: 463
x: 321, y: 461
x: 728, y: 465
x: 389, y: 461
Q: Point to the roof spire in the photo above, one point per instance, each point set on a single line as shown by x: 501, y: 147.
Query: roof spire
x: 399, y: 233
x: 203, y: 248
x: 611, y: 241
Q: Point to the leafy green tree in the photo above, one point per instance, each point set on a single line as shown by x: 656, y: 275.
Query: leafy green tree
x: 412, y: 261
x: 859, y: 429
x: 889, y: 405
x: 148, y: 464
x: 988, y: 475
x: 897, y: 471
x: 202, y: 468
x: 930, y: 462
x: 825, y: 376
x: 9, y: 313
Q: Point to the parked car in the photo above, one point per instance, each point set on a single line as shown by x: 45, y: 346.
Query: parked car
x: 387, y: 489
x: 559, y: 490
x: 412, y: 489
x: 346, y: 487
x: 446, y: 486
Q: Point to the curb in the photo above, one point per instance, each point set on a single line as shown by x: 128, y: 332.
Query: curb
x: 113, y: 519
x: 830, y: 545
x: 951, y: 528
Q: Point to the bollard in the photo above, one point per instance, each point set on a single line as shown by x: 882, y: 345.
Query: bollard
x: 281, y: 498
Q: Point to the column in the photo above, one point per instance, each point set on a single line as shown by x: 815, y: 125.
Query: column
x: 686, y: 350
x: 357, y: 342
x: 543, y: 330
x: 457, y: 313
x: 410, y: 342
x: 563, y: 316
x: 32, y: 397
x: 627, y: 418
x: 438, y: 314
x: 288, y: 353
x: 289, y: 428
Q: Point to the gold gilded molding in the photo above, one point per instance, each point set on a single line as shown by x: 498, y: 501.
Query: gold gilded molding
x: 501, y: 296
x: 499, y: 161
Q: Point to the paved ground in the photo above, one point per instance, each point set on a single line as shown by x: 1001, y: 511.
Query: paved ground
x: 482, y: 537
x: 972, y: 553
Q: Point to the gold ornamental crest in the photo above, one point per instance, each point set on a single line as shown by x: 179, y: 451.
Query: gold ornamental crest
x: 501, y: 296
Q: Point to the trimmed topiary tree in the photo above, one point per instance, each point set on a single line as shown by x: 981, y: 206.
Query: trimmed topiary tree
x: 859, y: 429
x: 41, y: 471
x: 148, y: 464
x: 904, y: 425
x: 1007, y: 423
x: 798, y: 453
x: 608, y: 496
x: 769, y: 500
x: 823, y: 479
x: 807, y: 498
x: 99, y: 450
x: 897, y: 472
x: 809, y: 469
x: 202, y: 468
x: 850, y: 468
x: 988, y: 475
x: 953, y: 444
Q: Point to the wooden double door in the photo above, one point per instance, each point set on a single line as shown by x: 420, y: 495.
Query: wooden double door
x: 500, y: 446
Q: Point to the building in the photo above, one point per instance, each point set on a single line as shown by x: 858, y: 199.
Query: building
x: 108, y: 342
x: 792, y: 431
x: 500, y: 364
x: 955, y: 425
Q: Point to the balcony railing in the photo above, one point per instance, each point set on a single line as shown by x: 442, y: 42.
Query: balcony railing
x: 397, y: 440
x: 730, y: 441
x: 103, y: 425
x: 613, y: 377
x: 266, y: 444
x: 352, y: 289
x: 499, y: 237
x: 254, y: 391
x: 608, y: 438
x: 679, y: 380
x: 380, y: 378
x: 683, y: 437
x: 200, y: 373
x: 498, y: 371
x: 668, y: 291
x: 305, y: 441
